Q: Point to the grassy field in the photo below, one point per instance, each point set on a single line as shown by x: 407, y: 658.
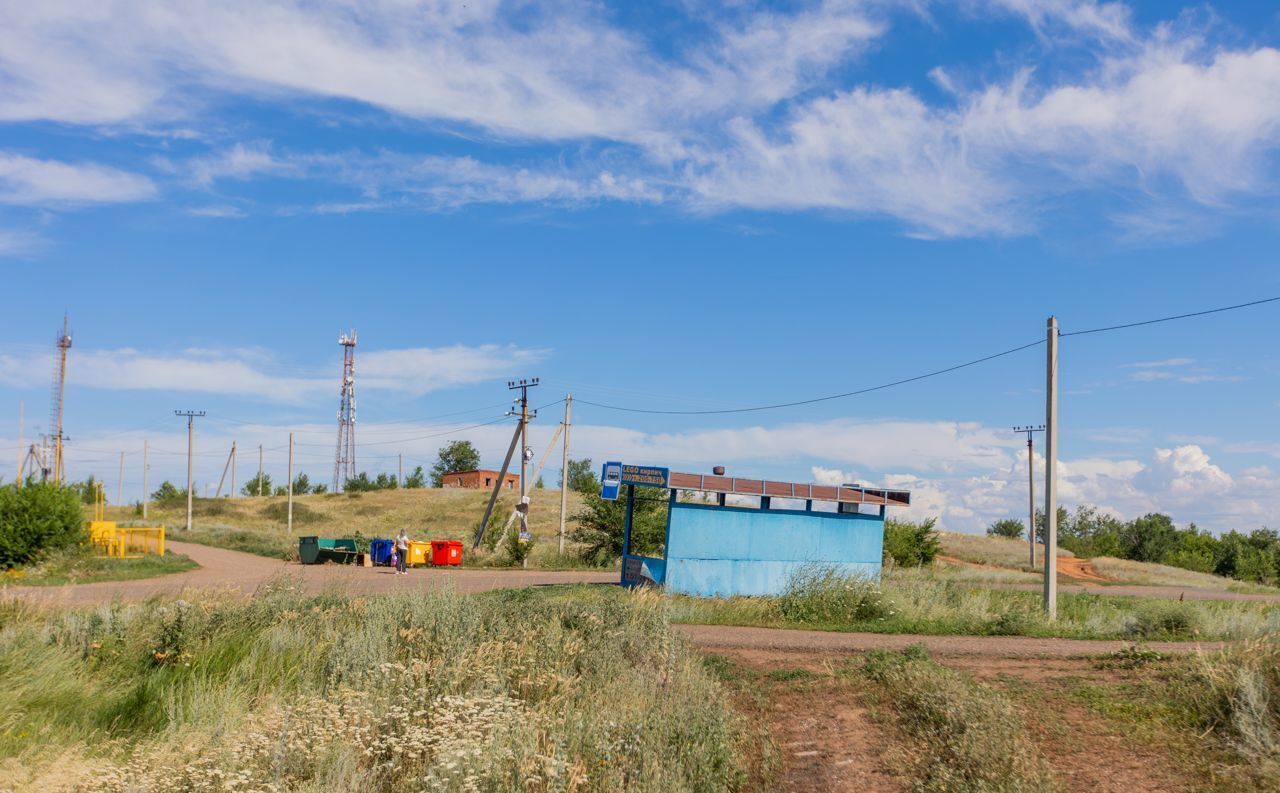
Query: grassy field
x: 83, y: 566
x: 393, y: 693
x: 917, y: 602
x: 258, y: 525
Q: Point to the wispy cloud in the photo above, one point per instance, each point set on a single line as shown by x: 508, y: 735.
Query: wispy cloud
x: 253, y: 374
x: 26, y: 181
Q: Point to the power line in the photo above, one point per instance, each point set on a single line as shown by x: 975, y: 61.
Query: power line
x: 797, y: 403
x: 1171, y: 319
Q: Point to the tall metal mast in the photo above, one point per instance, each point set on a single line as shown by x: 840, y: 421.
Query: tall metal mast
x: 344, y: 458
x: 59, y: 388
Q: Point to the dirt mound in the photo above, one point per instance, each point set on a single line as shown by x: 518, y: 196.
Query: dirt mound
x: 1080, y: 569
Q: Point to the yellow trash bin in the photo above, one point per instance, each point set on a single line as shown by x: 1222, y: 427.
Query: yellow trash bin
x: 419, y: 553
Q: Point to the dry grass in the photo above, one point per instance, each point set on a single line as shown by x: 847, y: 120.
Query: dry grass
x: 430, y: 691
x: 257, y: 525
x: 994, y: 551
x: 1129, y: 572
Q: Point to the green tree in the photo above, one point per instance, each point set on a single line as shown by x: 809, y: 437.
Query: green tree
x: 1008, y: 527
x: 280, y: 491
x: 582, y: 477
x: 539, y: 485
x: 600, y: 525
x: 911, y: 544
x: 88, y: 490
x: 320, y: 488
x: 359, y: 483
x: 37, y: 518
x: 384, y: 482
x: 251, y: 488
x: 301, y: 485
x: 1148, y: 538
x: 454, y: 456
x: 168, y: 495
x: 415, y: 479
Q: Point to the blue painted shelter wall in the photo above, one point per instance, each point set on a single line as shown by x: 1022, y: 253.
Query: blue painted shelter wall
x: 722, y: 551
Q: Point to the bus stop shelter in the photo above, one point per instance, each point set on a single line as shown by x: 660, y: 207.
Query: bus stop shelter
x: 734, y: 536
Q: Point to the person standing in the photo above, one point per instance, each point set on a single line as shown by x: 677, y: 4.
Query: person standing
x: 402, y: 552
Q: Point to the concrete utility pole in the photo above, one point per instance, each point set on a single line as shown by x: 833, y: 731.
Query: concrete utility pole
x: 259, y: 470
x: 120, y: 483
x: 400, y: 470
x: 21, y: 407
x: 191, y: 437
x: 1031, y: 488
x: 564, y: 469
x: 222, y: 480
x: 232, y: 492
x: 290, y: 485
x: 526, y: 453
x: 146, y: 497
x: 1051, y: 472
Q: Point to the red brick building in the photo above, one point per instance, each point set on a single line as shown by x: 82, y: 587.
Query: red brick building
x: 478, y: 480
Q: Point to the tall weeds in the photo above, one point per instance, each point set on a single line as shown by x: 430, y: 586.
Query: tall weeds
x: 393, y: 693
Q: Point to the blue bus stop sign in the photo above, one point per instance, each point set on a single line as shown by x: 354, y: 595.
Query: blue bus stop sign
x: 610, y: 481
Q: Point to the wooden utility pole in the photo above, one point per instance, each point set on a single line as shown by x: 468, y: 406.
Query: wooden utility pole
x: 525, y: 452
x: 564, y: 469
x: 191, y: 437
x: 259, y: 470
x: 232, y: 492
x: 21, y: 460
x: 120, y: 483
x: 1051, y: 472
x: 146, y: 497
x: 290, y: 485
x: 497, y: 488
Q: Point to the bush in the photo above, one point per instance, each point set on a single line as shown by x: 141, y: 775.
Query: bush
x: 828, y: 596
x: 1235, y: 695
x: 911, y: 544
x: 36, y: 519
x: 1008, y: 527
x: 1163, y: 619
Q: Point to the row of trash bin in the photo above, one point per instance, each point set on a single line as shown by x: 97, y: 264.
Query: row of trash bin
x: 318, y: 550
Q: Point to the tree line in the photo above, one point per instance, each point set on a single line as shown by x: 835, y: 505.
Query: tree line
x: 1154, y: 537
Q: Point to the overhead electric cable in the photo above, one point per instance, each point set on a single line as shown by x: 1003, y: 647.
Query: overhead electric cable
x: 1172, y: 318
x: 828, y: 398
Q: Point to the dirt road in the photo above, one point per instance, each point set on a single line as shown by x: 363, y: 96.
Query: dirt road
x: 224, y: 569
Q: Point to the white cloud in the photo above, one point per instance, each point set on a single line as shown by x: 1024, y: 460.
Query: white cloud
x: 31, y: 182
x: 251, y: 374
x: 1159, y: 364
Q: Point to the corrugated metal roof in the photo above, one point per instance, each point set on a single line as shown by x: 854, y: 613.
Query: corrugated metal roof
x: 845, y: 494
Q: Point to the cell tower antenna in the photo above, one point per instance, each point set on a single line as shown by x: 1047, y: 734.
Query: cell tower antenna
x: 59, y: 388
x: 344, y: 459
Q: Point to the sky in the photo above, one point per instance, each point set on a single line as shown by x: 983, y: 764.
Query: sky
x: 665, y: 206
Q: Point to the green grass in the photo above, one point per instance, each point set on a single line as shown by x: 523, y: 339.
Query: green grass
x: 333, y: 693
x: 914, y: 602
x: 83, y: 566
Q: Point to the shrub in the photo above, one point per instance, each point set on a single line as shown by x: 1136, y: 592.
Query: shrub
x: 35, y: 519
x: 279, y: 511
x: 911, y: 544
x: 817, y: 594
x: 1008, y: 527
x: 1163, y: 619
x: 1235, y: 694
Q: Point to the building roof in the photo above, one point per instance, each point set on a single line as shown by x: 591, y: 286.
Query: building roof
x: 478, y: 471
x: 845, y: 494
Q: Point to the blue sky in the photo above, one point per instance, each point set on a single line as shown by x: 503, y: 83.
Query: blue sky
x: 661, y: 206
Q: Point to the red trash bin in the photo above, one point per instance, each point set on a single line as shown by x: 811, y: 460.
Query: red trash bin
x: 455, y: 552
x: 439, y: 552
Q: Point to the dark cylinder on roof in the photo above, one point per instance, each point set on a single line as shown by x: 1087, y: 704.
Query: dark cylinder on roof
x: 718, y: 470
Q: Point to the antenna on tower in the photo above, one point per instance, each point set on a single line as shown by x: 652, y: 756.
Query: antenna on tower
x: 344, y: 459
x: 59, y: 388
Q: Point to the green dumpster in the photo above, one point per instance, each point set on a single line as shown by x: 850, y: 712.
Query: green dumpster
x: 318, y: 550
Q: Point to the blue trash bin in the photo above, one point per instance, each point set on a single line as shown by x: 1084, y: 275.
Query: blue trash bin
x: 380, y: 550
